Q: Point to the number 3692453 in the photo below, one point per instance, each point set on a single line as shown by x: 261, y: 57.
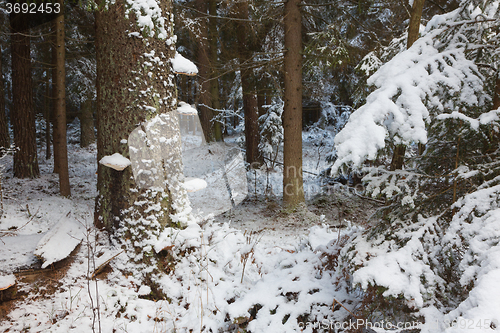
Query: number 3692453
x: 33, y: 8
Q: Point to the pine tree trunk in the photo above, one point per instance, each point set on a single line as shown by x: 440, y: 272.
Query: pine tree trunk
x: 214, y: 74
x: 60, y: 106
x: 4, y: 128
x: 250, y: 107
x: 414, y: 25
x: 293, y: 190
x: 47, y: 117
x: 251, y: 111
x: 204, y: 100
x: 413, y: 33
x: 132, y: 101
x: 496, y: 97
x: 23, y: 113
x: 55, y: 129
x: 87, y: 127
x: 398, y: 156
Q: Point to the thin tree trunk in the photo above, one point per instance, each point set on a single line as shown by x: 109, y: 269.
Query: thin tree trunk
x: 214, y: 81
x: 398, y: 156
x: 46, y: 50
x: 55, y: 129
x: 204, y: 100
x: 494, y: 135
x: 414, y: 25
x: 293, y: 190
x: 60, y: 105
x: 4, y: 128
x: 496, y: 97
x: 23, y: 113
x: 249, y: 92
x: 413, y: 33
x: 87, y: 127
x: 47, y: 116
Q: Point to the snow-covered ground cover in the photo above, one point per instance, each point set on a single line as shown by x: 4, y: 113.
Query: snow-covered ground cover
x: 242, y: 269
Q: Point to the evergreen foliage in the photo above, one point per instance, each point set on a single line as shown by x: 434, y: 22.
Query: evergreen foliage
x: 430, y: 252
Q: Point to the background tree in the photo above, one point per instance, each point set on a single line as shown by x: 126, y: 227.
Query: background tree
x: 23, y: 114
x: 205, y: 108
x: 214, y: 72
x: 61, y: 144
x: 293, y: 191
x: 81, y: 71
x: 4, y: 129
x: 246, y: 40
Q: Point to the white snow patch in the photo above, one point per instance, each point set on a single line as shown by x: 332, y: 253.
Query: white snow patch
x: 187, y: 109
x: 7, y: 281
x: 116, y: 161
x: 194, y: 184
x: 183, y: 65
x: 59, y: 242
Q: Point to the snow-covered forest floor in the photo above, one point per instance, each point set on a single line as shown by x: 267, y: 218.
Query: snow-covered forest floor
x: 253, y: 267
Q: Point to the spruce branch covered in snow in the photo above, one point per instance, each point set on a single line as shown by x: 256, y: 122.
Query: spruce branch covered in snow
x: 271, y: 131
x: 430, y: 253
x: 434, y: 76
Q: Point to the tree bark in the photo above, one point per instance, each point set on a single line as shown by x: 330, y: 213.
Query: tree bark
x: 250, y: 106
x: 23, y: 113
x: 496, y: 97
x: 55, y: 129
x: 136, y: 92
x: 204, y: 99
x: 60, y: 106
x: 293, y: 190
x: 87, y: 127
x: 4, y: 128
x: 398, y: 156
x: 47, y: 116
x: 214, y: 74
x: 414, y: 25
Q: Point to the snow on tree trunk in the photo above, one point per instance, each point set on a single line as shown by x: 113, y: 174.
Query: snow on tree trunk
x: 136, y: 95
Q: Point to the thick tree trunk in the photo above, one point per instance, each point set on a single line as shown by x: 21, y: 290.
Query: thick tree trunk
x: 4, y: 128
x: 23, y: 113
x: 135, y: 94
x: 249, y: 91
x: 413, y: 33
x: 293, y: 190
x: 60, y: 106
